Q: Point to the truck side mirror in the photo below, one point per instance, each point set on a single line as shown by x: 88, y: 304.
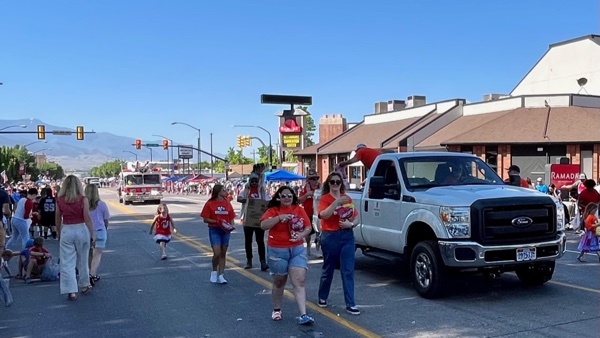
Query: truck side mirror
x: 377, y: 187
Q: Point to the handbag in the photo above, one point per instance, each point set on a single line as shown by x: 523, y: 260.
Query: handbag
x: 226, y: 226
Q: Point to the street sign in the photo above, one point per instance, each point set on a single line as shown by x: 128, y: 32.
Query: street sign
x: 185, y: 152
x: 61, y: 132
x: 152, y: 145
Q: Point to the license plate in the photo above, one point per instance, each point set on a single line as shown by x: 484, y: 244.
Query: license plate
x: 525, y: 254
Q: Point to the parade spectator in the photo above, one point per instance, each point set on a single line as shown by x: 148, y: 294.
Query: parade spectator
x: 589, y: 240
x: 47, y: 210
x: 588, y: 194
x: 338, y: 218
x: 514, y: 170
x: 38, y: 255
x: 74, y: 224
x: 21, y: 219
x: 100, y: 216
x: 219, y: 215
x: 540, y: 186
x: 288, y: 225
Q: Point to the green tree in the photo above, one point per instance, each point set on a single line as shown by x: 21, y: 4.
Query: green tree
x: 263, y: 155
x: 233, y: 157
x: 51, y: 169
x: 11, y: 160
x: 108, y: 169
x: 310, y: 128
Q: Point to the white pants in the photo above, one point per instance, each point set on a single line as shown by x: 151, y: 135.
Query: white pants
x: 74, y: 253
x: 20, y: 231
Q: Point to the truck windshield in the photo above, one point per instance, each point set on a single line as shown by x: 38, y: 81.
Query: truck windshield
x: 435, y: 171
x: 133, y: 179
x: 152, y: 179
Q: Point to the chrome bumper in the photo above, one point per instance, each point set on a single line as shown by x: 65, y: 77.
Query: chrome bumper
x: 482, y: 254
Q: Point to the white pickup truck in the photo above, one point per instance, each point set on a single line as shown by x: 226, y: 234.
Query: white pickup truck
x: 445, y: 211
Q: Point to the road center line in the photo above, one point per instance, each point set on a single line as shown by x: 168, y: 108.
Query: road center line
x: 259, y: 280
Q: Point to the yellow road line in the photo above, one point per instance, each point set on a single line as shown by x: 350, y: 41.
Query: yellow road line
x: 259, y: 280
x: 583, y: 288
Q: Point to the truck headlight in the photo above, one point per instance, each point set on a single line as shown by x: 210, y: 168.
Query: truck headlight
x: 560, y: 215
x: 457, y: 221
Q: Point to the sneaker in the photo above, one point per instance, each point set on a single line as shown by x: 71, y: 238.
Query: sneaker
x: 305, y: 320
x: 353, y: 310
x: 322, y: 303
x: 28, y: 281
x: 276, y: 315
x: 163, y: 257
x: 221, y: 279
x: 213, y: 277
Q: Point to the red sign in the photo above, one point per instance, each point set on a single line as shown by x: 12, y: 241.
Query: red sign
x: 564, y: 174
x: 290, y: 127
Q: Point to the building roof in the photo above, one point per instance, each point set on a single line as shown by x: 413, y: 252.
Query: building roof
x: 521, y: 125
x: 311, y: 150
x: 410, y: 130
x: 373, y: 135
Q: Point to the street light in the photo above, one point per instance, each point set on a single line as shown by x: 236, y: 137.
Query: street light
x: 15, y: 126
x: 131, y: 152
x: 27, y: 145
x: 259, y: 127
x: 150, y: 148
x: 199, y: 144
x: 172, y: 156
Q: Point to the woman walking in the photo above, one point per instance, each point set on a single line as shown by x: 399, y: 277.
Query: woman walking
x: 74, y: 225
x: 288, y: 226
x: 100, y: 215
x: 338, y: 218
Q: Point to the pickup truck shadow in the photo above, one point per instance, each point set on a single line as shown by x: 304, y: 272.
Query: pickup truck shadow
x: 460, y: 285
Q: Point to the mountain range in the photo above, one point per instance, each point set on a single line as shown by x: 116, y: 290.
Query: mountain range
x: 72, y: 154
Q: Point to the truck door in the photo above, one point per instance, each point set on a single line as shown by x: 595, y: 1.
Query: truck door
x: 381, y: 217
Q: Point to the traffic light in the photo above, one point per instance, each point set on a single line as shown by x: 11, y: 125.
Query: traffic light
x: 79, y: 133
x: 138, y: 144
x: 247, y: 141
x: 240, y: 141
x: 41, y: 131
x: 165, y: 144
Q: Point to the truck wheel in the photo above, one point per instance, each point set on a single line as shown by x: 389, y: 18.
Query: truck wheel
x: 427, y: 269
x: 536, y: 274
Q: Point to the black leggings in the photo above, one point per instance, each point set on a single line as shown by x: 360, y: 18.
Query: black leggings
x: 260, y: 242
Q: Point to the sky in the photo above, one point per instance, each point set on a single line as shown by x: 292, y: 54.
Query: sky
x: 133, y: 67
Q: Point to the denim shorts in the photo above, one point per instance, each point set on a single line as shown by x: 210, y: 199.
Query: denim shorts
x: 218, y: 236
x: 100, y: 238
x: 281, y: 259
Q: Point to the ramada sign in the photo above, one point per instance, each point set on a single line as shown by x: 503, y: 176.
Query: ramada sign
x: 563, y: 174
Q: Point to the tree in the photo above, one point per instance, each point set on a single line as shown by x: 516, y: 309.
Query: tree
x: 233, y: 157
x: 108, y: 169
x: 52, y: 170
x: 263, y: 155
x: 11, y: 160
x: 309, y: 129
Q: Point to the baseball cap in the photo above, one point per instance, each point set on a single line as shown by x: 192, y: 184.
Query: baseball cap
x: 312, y: 173
x: 361, y: 145
x: 514, y: 168
x: 539, y: 179
x: 29, y: 243
x: 582, y: 176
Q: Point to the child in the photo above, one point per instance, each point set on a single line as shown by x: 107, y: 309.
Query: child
x: 589, y: 240
x: 38, y: 255
x: 164, y: 224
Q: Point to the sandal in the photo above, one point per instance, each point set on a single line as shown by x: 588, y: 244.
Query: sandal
x: 95, y: 278
x: 72, y: 297
x: 276, y: 315
x: 86, y: 290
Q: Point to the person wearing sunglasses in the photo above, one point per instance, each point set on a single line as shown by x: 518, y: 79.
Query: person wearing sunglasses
x: 288, y: 225
x: 338, y: 218
x: 306, y: 199
x: 253, y: 190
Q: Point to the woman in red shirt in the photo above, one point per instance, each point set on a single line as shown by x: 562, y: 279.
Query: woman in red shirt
x: 219, y: 215
x: 288, y: 225
x: 338, y: 218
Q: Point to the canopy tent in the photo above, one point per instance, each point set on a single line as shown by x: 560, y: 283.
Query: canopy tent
x: 203, y: 178
x: 283, y: 175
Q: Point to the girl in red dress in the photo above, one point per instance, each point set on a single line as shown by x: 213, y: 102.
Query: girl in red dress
x: 164, y: 225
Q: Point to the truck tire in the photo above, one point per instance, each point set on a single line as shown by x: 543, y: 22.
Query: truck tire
x: 427, y: 270
x: 538, y: 274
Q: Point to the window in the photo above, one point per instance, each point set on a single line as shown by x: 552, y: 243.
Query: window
x: 133, y: 179
x: 152, y: 179
x: 429, y: 172
x: 387, y: 170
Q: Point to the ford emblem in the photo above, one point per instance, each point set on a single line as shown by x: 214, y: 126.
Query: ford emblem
x: 522, y: 222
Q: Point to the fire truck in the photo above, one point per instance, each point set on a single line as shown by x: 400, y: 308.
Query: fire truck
x: 139, y: 183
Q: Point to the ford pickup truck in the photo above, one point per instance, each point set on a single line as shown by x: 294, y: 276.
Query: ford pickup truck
x: 444, y: 212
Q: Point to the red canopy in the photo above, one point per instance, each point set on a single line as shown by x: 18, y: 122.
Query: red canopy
x: 202, y: 178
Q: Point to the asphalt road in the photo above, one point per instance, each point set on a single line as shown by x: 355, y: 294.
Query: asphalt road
x: 141, y: 296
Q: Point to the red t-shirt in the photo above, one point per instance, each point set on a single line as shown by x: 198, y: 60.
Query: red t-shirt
x: 35, y: 218
x: 28, y: 208
x: 218, y: 210
x: 367, y: 156
x: 590, y: 223
x: 308, y: 203
x: 333, y: 222
x: 163, y: 225
x: 280, y: 235
x: 39, y: 259
x: 588, y: 196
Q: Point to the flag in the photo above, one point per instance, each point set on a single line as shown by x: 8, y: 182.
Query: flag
x: 4, y: 177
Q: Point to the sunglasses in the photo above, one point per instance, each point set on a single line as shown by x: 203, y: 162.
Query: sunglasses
x: 335, y: 182
x: 286, y: 195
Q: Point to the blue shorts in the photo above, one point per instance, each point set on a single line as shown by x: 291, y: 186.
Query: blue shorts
x: 101, y: 238
x: 218, y: 236
x: 281, y: 259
